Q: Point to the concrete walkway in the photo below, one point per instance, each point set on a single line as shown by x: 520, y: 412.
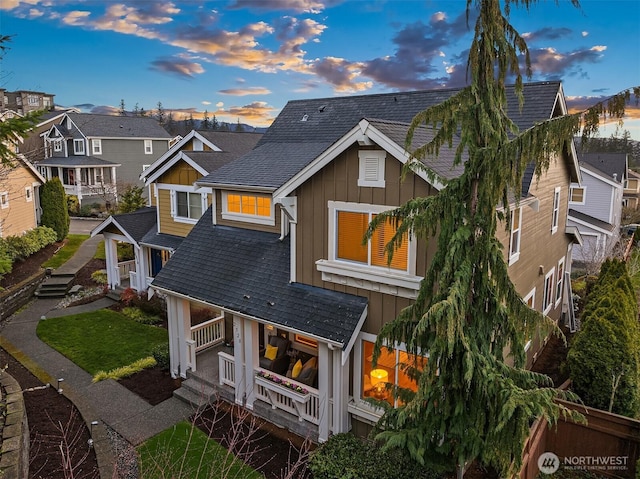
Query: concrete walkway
x: 106, y: 401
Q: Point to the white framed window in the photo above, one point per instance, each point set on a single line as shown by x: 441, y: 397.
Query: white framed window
x: 96, y: 147
x: 78, y: 147
x: 148, y: 147
x: 371, y: 168
x: 515, y: 235
x: 248, y: 207
x: 529, y: 300
x: 578, y: 195
x: 28, y: 193
x: 57, y: 145
x: 4, y: 199
x: 187, y: 206
x: 559, y: 281
x: 369, y: 381
x: 555, y: 216
x: 549, y: 290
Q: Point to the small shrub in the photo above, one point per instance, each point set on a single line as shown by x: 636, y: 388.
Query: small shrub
x: 73, y: 205
x: 161, y: 355
x: 99, y: 276
x: 136, y: 314
x: 345, y: 456
x: 129, y: 296
x: 125, y: 371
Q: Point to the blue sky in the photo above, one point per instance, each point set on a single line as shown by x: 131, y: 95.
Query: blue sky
x: 244, y: 59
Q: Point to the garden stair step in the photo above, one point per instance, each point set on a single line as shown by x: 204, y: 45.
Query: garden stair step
x: 196, y: 393
x: 55, y: 286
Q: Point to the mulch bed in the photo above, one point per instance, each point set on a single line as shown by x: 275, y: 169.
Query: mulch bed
x: 24, y: 269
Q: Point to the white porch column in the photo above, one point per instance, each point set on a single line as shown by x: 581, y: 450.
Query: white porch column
x: 174, y: 350
x: 341, y: 418
x: 111, y: 254
x: 238, y: 356
x: 183, y: 315
x: 141, y: 283
x: 251, y: 355
x: 324, y: 385
x: 143, y: 272
x: 78, y: 178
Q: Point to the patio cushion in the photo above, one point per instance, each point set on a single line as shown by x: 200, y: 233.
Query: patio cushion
x: 307, y: 376
x: 311, y: 363
x: 271, y: 352
x: 297, y: 367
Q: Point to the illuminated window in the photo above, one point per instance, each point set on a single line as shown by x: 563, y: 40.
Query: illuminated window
x: 306, y: 341
x: 255, y: 208
x: 516, y: 230
x: 393, y: 367
x: 350, y: 229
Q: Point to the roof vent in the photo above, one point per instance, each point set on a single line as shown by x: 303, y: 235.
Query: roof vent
x: 305, y: 118
x: 321, y: 108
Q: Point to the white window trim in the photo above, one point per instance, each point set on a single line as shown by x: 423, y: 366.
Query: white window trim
x: 57, y: 145
x: 174, y: 203
x: 255, y: 219
x: 148, y: 147
x: 531, y: 296
x: 28, y: 193
x: 584, y: 194
x: 76, y: 150
x: 515, y: 256
x: 366, y: 157
x: 555, y: 213
x: 560, y: 282
x: 368, y: 277
x: 96, y: 146
x: 4, y: 199
x: 549, y: 275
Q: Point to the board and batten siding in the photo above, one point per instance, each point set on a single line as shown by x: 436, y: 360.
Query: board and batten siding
x: 20, y: 215
x: 338, y: 181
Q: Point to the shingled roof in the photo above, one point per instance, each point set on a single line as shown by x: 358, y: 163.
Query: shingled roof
x: 306, y: 128
x: 135, y: 224
x: 111, y: 126
x: 249, y: 275
x: 67, y: 161
x: 610, y: 165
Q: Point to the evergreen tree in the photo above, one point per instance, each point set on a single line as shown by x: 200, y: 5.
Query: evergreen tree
x: 131, y: 199
x: 160, y: 114
x: 170, y: 124
x: 206, y: 122
x: 214, y: 123
x: 239, y: 128
x: 471, y: 403
x: 122, y: 111
x: 143, y: 112
x: 136, y: 110
x: 54, y: 208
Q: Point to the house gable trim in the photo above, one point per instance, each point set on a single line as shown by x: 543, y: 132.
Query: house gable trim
x: 589, y: 225
x: 111, y: 221
x: 168, y: 165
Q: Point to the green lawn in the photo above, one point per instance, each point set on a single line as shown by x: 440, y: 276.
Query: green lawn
x: 101, y: 340
x: 185, y: 452
x: 72, y: 244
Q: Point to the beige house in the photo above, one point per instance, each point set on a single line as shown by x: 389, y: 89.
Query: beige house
x: 19, y: 197
x: 274, y: 303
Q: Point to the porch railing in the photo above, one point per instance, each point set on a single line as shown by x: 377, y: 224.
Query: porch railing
x: 307, y: 411
x: 208, y: 334
x: 226, y: 369
x: 126, y: 267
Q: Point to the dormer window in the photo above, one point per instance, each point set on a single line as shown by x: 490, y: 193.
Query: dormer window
x: 57, y: 145
x: 371, y: 168
x: 248, y: 207
x: 78, y: 147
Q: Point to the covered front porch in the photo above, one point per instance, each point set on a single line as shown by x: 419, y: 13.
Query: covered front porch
x: 87, y: 178
x: 223, y: 356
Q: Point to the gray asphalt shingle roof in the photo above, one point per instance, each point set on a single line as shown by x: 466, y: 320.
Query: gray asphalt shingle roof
x: 591, y: 220
x: 76, y: 161
x: 138, y: 223
x: 249, y: 274
x: 161, y: 240
x: 111, y: 126
x: 305, y: 128
x: 610, y: 165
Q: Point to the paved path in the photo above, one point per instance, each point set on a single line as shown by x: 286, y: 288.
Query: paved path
x: 106, y: 401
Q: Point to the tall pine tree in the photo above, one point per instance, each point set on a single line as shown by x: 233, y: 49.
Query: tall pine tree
x: 471, y: 401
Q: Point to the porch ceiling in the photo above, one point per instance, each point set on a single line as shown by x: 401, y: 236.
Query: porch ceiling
x: 247, y: 272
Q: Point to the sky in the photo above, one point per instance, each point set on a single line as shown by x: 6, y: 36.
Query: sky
x: 242, y: 60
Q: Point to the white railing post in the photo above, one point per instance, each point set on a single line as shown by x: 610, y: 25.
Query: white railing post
x: 209, y: 333
x: 191, y: 347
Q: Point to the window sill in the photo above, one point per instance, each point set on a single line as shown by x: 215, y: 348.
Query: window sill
x: 371, y: 279
x: 364, y: 411
x: 514, y: 258
x: 182, y: 219
x: 260, y: 220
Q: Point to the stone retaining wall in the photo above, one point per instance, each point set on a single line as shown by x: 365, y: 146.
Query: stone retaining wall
x: 17, y: 296
x: 14, y: 450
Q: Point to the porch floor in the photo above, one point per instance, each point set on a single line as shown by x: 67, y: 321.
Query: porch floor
x: 203, y: 387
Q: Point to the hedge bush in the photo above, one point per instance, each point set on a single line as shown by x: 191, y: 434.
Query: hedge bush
x: 21, y: 247
x: 345, y: 456
x: 161, y: 354
x: 54, y: 207
x: 607, y: 348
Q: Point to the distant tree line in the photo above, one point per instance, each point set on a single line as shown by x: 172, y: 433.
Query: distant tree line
x: 185, y: 124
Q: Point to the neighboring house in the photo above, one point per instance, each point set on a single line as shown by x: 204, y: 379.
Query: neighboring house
x: 85, y: 150
x: 595, y: 205
x: 631, y: 192
x: 19, y: 197
x: 176, y: 204
x: 25, y: 101
x: 278, y: 268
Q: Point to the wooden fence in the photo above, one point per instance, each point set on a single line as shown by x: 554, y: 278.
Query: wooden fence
x: 608, y: 444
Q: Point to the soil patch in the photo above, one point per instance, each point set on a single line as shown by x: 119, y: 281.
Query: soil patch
x: 154, y: 385
x: 28, y: 267
x: 551, y: 360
